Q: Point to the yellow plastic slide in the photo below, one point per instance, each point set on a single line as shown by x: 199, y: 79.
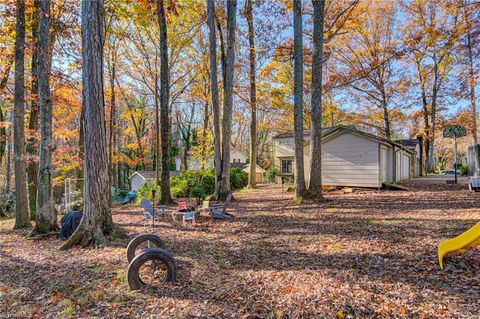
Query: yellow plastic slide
x: 460, y: 244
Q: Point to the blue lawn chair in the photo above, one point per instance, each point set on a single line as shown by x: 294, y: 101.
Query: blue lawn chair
x: 148, y: 210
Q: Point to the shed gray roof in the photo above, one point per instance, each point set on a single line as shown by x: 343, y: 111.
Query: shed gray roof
x: 409, y: 143
x: 326, y: 131
x: 152, y: 174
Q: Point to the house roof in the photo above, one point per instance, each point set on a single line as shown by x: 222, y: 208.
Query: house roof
x: 354, y: 130
x: 240, y: 166
x: 258, y: 169
x: 329, y: 131
x: 290, y: 134
x: 409, y: 143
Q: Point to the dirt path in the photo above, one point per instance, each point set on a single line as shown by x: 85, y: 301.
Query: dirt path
x: 369, y: 255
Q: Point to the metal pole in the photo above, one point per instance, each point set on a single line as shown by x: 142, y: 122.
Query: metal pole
x: 455, y: 168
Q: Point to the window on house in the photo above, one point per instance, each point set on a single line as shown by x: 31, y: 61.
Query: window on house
x: 286, y: 166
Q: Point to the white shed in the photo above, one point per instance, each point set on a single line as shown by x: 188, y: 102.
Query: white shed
x: 138, y: 178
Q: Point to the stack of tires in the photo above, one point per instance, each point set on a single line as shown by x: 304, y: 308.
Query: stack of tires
x: 149, y: 262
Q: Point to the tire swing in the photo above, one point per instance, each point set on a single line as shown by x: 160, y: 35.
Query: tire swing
x: 142, y: 242
x: 151, y: 266
x: 154, y: 264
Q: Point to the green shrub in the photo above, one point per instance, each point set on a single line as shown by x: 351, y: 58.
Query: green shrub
x: 145, y: 191
x: 197, y: 192
x: 196, y: 184
x: 270, y: 174
x: 462, y: 169
x: 238, y: 178
x: 208, y: 181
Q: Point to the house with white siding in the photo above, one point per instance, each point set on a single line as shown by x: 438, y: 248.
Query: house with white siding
x: 350, y: 157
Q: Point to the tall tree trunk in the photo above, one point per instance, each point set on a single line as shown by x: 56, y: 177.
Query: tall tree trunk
x: 8, y: 159
x: 32, y: 141
x: 3, y: 144
x: 433, y: 121
x: 315, y: 187
x: 45, y: 217
x: 165, y: 197
x: 112, y: 120
x: 223, y: 59
x: 3, y: 128
x: 204, y: 131
x: 22, y: 218
x: 97, y: 219
x: 81, y: 140
x: 252, y: 176
x: 386, y: 115
x: 3, y: 135
x: 224, y: 186
x: 426, y: 114
x: 157, y: 133
x: 471, y: 83
x: 215, y: 95
x: 298, y: 99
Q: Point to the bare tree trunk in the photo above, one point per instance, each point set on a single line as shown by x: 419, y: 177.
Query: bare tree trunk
x: 81, y: 140
x: 8, y: 159
x: 215, y: 96
x: 112, y: 119
x: 224, y: 185
x: 433, y: 120
x: 298, y: 99
x: 386, y: 115
x: 157, y: 134
x: 45, y: 217
x: 165, y: 197
x: 204, y: 134
x: 22, y: 218
x: 3, y: 135
x: 32, y: 141
x: 471, y: 83
x: 97, y: 219
x: 315, y: 187
x: 3, y: 144
x: 3, y: 130
x: 426, y: 113
x: 252, y: 176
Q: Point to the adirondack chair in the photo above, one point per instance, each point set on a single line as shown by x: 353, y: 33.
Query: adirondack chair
x: 148, y: 211
x: 208, y: 207
x: 182, y: 210
x: 218, y: 210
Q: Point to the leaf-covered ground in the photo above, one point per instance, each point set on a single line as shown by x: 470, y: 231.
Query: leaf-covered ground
x: 359, y: 255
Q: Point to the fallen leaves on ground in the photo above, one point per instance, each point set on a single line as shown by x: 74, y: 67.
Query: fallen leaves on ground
x: 360, y: 255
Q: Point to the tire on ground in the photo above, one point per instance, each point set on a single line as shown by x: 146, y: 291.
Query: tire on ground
x: 154, y: 240
x: 158, y: 255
